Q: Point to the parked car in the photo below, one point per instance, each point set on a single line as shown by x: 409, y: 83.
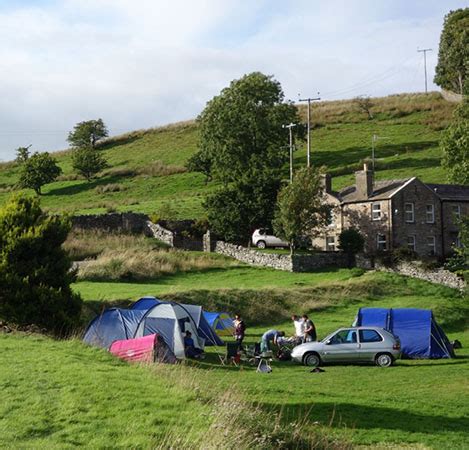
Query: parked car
x: 262, y: 238
x: 350, y: 345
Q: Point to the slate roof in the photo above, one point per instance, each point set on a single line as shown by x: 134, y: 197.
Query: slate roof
x: 383, y: 190
x: 450, y: 191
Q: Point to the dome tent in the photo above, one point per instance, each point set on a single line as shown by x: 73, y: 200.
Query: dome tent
x: 168, y: 320
x: 204, y: 330
x: 222, y: 323
x: 417, y: 330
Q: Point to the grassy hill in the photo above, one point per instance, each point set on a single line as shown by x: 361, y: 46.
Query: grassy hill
x: 147, y: 167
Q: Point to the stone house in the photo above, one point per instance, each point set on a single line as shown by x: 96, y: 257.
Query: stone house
x: 396, y: 213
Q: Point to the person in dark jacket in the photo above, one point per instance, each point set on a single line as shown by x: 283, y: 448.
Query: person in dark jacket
x: 309, y: 330
x: 239, y: 330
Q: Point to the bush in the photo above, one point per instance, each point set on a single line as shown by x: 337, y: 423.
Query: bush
x: 35, y: 273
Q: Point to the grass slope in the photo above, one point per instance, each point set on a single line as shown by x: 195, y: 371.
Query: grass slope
x: 147, y: 165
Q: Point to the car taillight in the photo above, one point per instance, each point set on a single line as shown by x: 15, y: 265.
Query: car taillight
x: 396, y: 346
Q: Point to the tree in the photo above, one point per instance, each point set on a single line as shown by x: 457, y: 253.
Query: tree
x: 87, y: 133
x: 453, y: 55
x: 301, y: 210
x: 88, y: 162
x: 364, y: 104
x: 35, y: 273
x: 201, y: 162
x: 22, y: 154
x: 455, y: 145
x: 235, y: 211
x: 38, y: 170
x: 351, y: 242
x: 240, y: 130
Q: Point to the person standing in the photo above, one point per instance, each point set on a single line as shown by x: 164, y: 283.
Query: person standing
x: 239, y: 330
x: 299, y: 325
x: 309, y: 330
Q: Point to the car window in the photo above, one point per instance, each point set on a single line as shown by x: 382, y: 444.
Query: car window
x: 370, y: 336
x: 344, y: 337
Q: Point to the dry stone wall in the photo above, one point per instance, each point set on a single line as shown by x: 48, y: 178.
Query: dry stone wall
x: 415, y: 270
x: 127, y: 222
x: 297, y: 263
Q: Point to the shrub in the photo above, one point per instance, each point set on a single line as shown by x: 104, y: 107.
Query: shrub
x: 35, y: 273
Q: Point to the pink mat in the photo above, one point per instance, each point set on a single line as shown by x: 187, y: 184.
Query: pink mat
x: 139, y: 349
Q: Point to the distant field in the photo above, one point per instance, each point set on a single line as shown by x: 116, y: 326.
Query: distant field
x: 148, y: 166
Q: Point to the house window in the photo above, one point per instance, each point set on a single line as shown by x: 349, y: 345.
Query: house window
x: 411, y: 242
x: 376, y: 211
x: 330, y: 243
x: 430, y: 214
x: 381, y: 242
x: 409, y: 212
x: 431, y: 243
x: 456, y: 240
x: 456, y: 211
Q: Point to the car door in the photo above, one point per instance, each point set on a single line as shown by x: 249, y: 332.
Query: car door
x: 343, y: 346
x: 371, y: 342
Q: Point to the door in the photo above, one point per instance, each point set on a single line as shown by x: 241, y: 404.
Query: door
x: 342, y: 347
x: 371, y: 342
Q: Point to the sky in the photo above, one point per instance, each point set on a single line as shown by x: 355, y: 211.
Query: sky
x: 143, y: 63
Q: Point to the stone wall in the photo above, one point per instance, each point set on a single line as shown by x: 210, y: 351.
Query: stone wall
x: 415, y: 270
x: 160, y: 233
x: 451, y: 96
x: 127, y: 222
x: 297, y: 263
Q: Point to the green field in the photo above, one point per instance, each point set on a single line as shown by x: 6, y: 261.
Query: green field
x: 75, y: 395
x: 147, y: 165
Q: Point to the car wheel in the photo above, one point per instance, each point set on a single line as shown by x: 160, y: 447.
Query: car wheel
x: 312, y: 360
x: 261, y: 244
x: 384, y: 360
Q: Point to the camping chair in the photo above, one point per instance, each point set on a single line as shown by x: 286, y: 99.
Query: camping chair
x: 231, y: 355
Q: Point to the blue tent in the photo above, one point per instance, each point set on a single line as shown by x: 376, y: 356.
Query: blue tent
x: 420, y: 335
x: 222, y: 323
x: 204, y: 329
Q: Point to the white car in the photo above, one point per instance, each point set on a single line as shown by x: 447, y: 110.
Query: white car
x: 261, y: 238
x: 350, y: 345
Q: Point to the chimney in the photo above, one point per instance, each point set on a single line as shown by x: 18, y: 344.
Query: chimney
x: 364, y: 182
x: 326, y: 183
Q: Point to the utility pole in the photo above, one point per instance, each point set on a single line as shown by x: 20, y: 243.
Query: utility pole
x: 290, y: 126
x: 424, y: 51
x: 309, y: 100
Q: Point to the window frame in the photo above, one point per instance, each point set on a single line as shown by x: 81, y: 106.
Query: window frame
x: 412, y: 211
x: 333, y: 245
x: 362, y: 341
x: 432, y: 246
x: 381, y: 241
x: 432, y: 213
x: 455, y: 215
x: 373, y: 211
x: 412, y: 245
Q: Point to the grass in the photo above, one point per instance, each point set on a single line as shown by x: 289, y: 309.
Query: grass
x: 147, y: 166
x: 62, y: 394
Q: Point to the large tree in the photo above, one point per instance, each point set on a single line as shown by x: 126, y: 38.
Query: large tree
x: 240, y: 130
x: 38, y: 170
x: 453, y: 55
x: 35, y: 273
x: 88, y: 162
x: 237, y: 209
x: 87, y: 133
x: 301, y: 210
x: 455, y: 145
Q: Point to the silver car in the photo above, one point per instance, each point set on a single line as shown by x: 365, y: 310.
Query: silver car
x: 261, y: 238
x: 350, y: 345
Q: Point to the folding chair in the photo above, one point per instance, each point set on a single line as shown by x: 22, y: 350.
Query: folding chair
x: 231, y: 355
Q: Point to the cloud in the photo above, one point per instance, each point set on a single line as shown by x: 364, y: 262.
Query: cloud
x: 141, y: 63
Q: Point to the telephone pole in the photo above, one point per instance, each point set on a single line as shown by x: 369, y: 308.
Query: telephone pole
x: 309, y: 100
x: 374, y: 139
x: 290, y: 126
x: 424, y: 51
